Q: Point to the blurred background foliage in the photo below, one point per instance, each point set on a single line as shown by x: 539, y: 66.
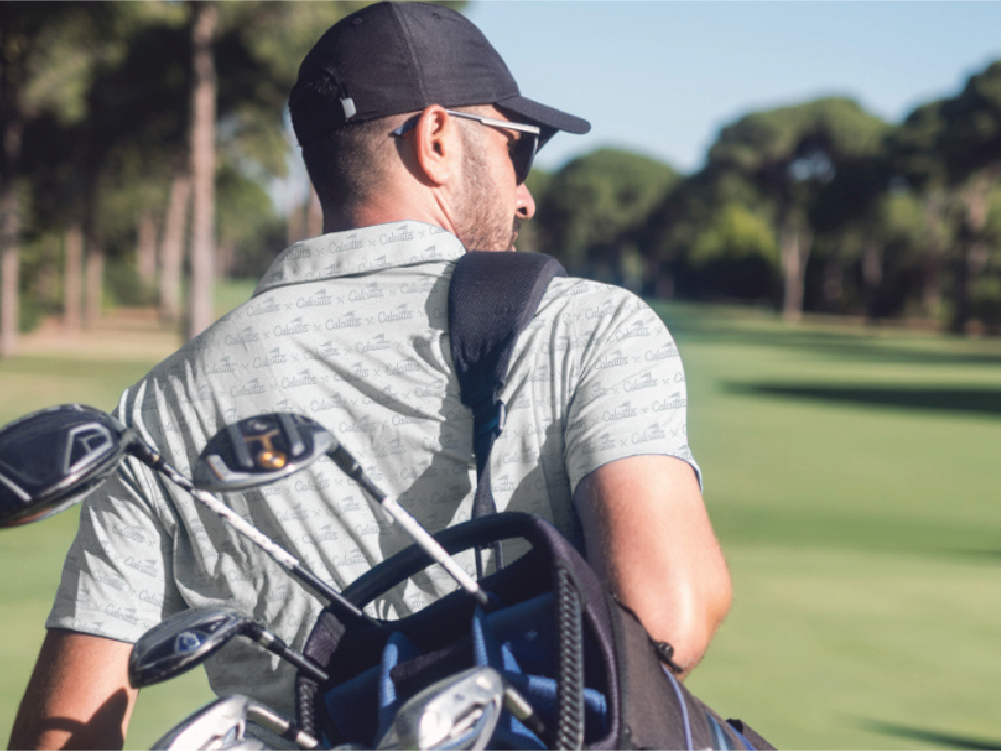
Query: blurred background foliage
x: 818, y: 206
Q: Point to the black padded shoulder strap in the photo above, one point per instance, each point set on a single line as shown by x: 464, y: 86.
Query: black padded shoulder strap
x: 491, y: 299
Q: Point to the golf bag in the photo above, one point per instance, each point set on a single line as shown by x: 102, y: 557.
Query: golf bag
x: 585, y: 664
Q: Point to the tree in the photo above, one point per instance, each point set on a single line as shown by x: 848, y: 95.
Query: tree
x: 592, y: 206
x: 97, y: 174
x: 701, y: 229
x: 45, y: 49
x: 912, y: 149
x: 203, y: 113
x: 789, y: 154
x: 949, y: 152
x: 970, y: 143
x: 850, y: 215
x: 245, y: 59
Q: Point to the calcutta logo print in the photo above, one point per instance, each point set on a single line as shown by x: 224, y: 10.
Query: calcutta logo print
x: 350, y: 328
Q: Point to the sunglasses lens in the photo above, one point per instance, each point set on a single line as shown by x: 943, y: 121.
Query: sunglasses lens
x: 523, y: 154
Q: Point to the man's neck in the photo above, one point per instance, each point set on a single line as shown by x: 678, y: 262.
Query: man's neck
x: 388, y: 207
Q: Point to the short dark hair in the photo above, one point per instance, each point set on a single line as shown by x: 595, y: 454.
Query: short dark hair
x: 346, y: 164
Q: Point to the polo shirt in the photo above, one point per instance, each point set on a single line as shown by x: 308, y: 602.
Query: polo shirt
x: 350, y: 329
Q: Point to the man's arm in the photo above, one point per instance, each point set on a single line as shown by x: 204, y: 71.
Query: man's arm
x: 78, y: 696
x: 649, y: 538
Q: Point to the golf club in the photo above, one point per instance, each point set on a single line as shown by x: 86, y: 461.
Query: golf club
x: 222, y: 726
x: 219, y: 725
x: 458, y: 712
x: 186, y: 639
x: 49, y: 460
x: 261, y: 449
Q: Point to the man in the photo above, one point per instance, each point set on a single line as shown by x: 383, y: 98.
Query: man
x: 418, y: 143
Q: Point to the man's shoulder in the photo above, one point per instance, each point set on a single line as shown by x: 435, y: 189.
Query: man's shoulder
x: 572, y: 298
x: 572, y: 286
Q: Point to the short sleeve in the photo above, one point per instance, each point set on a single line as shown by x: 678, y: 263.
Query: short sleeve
x: 630, y: 399
x: 116, y: 579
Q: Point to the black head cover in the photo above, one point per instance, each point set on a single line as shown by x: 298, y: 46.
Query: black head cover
x: 181, y: 642
x: 50, y: 459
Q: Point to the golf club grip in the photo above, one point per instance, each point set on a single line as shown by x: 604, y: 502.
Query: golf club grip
x: 343, y: 459
x: 432, y: 547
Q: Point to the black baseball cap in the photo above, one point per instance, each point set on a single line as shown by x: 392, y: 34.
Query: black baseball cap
x: 395, y: 57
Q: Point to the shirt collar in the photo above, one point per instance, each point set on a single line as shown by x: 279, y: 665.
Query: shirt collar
x: 361, y: 251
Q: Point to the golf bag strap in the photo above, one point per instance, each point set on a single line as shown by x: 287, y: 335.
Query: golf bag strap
x: 491, y: 300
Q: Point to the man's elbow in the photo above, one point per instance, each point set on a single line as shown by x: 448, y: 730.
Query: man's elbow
x: 719, y: 600
x: 717, y: 605
x: 700, y: 610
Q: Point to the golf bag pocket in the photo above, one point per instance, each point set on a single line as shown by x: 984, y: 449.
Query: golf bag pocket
x: 559, y: 642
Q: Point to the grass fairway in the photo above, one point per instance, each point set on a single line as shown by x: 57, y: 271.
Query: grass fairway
x: 850, y: 475
x: 93, y: 367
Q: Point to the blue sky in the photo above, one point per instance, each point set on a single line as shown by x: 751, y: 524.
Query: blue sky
x: 662, y: 77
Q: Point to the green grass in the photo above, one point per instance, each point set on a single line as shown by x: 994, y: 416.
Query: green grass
x: 32, y: 556
x: 852, y: 478
x: 851, y: 475
x: 230, y: 293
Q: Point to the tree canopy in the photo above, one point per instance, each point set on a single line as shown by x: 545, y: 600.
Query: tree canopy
x: 811, y: 206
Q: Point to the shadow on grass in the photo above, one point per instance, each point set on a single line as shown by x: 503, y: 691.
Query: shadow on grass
x: 977, y: 400
x: 851, y: 343
x: 935, y: 738
x: 814, y: 527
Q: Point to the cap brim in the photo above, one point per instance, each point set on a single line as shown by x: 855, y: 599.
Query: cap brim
x: 545, y: 116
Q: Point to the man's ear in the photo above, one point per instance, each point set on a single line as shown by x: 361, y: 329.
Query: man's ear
x: 437, y: 145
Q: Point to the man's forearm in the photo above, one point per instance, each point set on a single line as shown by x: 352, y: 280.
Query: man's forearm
x: 78, y: 695
x: 648, y: 536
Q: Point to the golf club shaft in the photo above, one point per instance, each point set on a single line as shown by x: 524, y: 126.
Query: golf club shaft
x: 282, y: 557
x: 277, y: 724
x: 343, y: 459
x: 273, y: 643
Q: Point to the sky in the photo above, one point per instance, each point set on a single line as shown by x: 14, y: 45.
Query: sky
x: 663, y: 77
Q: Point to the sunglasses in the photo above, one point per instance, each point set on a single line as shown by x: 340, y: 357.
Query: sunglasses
x: 522, y: 150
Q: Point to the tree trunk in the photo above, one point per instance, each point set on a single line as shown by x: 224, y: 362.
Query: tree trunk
x: 9, y: 270
x: 795, y: 244
x: 934, y: 254
x: 94, y: 284
x: 973, y: 259
x: 174, y: 232
x: 73, y: 278
x: 146, y: 248
x: 872, y: 277
x: 203, y: 25
x: 11, y: 131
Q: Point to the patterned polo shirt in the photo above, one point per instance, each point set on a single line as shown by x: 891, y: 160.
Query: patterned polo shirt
x: 351, y: 329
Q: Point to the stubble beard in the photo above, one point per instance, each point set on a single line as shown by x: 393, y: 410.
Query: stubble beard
x: 486, y: 225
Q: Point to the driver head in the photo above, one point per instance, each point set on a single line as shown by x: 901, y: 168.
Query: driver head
x: 260, y: 450
x: 50, y: 459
